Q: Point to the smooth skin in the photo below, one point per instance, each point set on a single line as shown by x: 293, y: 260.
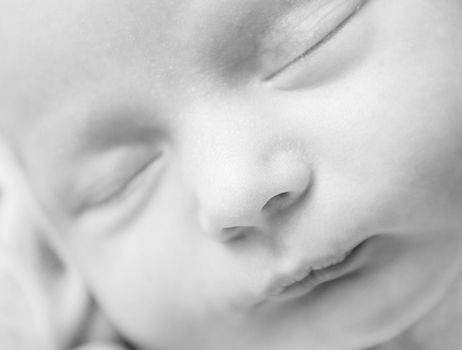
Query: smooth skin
x: 187, y: 151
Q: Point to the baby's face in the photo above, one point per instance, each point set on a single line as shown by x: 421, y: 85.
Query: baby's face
x: 198, y: 156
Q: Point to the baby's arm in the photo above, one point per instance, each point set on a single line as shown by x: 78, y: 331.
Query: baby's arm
x: 21, y: 327
x: 43, y: 303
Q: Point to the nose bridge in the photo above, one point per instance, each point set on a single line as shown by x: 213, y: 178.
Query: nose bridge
x: 240, y: 169
x: 224, y: 146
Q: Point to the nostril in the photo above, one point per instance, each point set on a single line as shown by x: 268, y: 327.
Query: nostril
x: 234, y: 232
x: 278, y: 202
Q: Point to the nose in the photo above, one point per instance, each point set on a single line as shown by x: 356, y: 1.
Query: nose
x: 240, y: 201
x: 244, y: 186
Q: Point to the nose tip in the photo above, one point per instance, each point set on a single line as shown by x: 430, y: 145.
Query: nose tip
x: 246, y: 205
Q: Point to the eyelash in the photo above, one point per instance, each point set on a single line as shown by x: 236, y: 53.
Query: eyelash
x: 320, y: 43
x: 125, y: 189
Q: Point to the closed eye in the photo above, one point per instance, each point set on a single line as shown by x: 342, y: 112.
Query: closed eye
x: 114, y: 183
x: 124, y: 189
x: 326, y: 31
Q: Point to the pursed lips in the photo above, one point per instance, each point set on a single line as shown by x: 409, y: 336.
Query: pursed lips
x: 310, y: 274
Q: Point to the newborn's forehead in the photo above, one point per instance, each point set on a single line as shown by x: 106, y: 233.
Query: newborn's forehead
x: 52, y: 45
x: 53, y: 48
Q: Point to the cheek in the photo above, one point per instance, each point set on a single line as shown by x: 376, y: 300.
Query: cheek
x: 419, y: 144
x: 136, y: 281
x: 402, y: 122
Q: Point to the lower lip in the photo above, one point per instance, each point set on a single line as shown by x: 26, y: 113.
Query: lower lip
x: 314, y: 279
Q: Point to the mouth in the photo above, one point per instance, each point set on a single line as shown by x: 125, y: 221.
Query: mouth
x: 309, y: 276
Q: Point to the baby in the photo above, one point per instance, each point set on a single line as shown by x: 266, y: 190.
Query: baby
x: 231, y: 174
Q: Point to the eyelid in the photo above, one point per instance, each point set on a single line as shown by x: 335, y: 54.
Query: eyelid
x: 125, y: 188
x: 97, y: 195
x: 305, y: 34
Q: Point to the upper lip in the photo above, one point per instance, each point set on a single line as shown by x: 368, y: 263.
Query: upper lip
x: 282, y: 280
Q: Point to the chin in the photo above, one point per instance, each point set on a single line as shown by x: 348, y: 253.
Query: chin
x: 382, y: 315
